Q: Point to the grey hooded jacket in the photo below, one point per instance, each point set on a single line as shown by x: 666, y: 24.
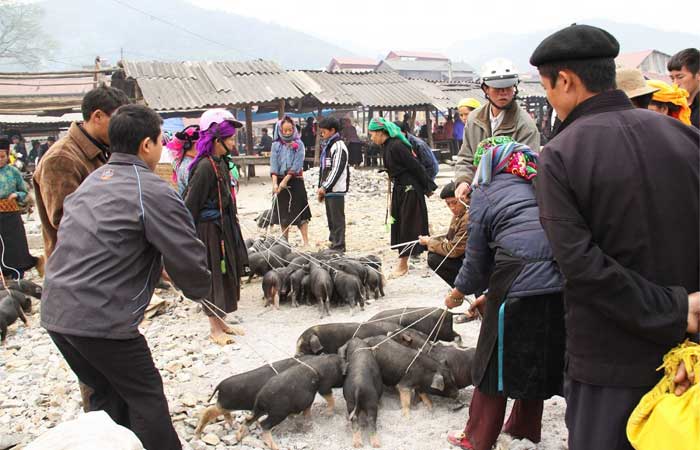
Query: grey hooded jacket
x: 118, y: 229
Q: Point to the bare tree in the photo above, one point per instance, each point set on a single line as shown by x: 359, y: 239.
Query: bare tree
x: 22, y: 39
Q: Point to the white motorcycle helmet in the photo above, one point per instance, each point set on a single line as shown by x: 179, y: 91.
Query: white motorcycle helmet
x: 499, y: 73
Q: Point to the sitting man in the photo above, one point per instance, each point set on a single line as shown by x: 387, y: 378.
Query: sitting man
x: 445, y: 254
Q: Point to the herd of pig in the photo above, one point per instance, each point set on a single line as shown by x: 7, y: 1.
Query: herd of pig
x: 322, y: 278
x: 398, y: 348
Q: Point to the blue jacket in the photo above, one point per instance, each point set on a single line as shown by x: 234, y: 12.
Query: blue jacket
x: 284, y: 160
x: 504, y: 215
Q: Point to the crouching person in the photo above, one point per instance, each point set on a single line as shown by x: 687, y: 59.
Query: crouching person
x: 118, y: 230
x: 520, y: 351
x: 445, y: 254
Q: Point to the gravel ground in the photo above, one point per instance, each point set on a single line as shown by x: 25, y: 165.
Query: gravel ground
x: 38, y: 390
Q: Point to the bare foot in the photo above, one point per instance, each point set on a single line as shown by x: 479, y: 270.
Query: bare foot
x: 398, y: 273
x: 374, y: 440
x: 222, y: 339
x: 230, y: 329
x: 357, y: 439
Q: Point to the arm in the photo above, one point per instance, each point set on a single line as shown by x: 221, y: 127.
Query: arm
x: 170, y: 229
x: 454, y: 247
x: 59, y: 179
x: 529, y: 135
x: 406, y: 159
x: 637, y: 305
x: 20, y: 188
x: 198, y: 188
x: 476, y: 268
x: 339, y: 163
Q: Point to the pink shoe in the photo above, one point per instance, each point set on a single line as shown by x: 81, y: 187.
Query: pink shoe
x: 459, y: 439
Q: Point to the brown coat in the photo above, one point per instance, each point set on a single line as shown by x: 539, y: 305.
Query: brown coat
x: 456, y: 237
x: 59, y: 173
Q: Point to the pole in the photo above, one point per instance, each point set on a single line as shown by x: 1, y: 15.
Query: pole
x: 317, y: 145
x: 429, y: 126
x: 250, y: 170
x: 280, y: 109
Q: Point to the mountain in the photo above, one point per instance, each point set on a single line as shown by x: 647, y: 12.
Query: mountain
x: 518, y: 48
x: 83, y: 29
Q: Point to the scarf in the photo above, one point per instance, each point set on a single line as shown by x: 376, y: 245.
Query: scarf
x: 391, y: 129
x: 502, y: 154
x: 326, y: 148
x: 207, y: 139
x: 177, y: 151
x: 672, y: 94
x: 292, y: 141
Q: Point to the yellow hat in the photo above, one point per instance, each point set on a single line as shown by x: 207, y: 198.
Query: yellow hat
x: 672, y: 94
x: 469, y: 102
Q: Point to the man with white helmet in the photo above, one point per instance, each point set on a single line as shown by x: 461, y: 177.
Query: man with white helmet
x: 501, y: 116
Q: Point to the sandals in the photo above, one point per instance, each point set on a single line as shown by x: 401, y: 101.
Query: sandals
x: 459, y: 439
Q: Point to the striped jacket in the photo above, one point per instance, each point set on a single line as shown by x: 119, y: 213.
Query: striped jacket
x: 335, y: 175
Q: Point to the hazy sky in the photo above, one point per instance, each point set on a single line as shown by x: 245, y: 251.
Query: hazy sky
x: 411, y: 24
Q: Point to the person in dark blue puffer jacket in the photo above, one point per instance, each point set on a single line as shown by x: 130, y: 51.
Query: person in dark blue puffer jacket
x: 520, y: 352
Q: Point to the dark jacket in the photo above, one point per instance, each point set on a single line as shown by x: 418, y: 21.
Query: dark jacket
x: 404, y: 169
x: 504, y: 216
x: 118, y: 229
x: 695, y: 111
x: 618, y: 190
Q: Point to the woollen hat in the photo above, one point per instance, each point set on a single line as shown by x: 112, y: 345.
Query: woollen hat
x: 575, y: 42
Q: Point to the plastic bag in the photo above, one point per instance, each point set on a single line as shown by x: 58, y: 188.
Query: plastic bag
x: 663, y: 420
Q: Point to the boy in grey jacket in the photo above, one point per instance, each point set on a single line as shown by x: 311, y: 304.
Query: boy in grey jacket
x: 118, y: 230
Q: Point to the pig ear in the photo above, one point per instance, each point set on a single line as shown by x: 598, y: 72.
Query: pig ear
x: 315, y: 343
x: 344, y: 368
x: 438, y: 382
x: 406, y: 338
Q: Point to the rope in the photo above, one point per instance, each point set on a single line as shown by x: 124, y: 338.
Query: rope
x: 206, y: 305
x: 396, y: 333
x: 2, y: 262
x: 439, y: 322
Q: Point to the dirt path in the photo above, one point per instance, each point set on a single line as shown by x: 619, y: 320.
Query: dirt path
x: 38, y: 391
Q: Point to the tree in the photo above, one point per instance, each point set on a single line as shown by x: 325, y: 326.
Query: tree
x: 22, y: 39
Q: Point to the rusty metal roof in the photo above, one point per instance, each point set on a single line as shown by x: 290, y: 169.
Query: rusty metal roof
x: 193, y: 85
x: 373, y: 90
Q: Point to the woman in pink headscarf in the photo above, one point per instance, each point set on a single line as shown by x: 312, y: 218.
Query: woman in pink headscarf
x: 183, y: 150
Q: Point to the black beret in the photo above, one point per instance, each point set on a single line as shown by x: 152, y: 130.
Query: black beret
x: 448, y: 191
x: 575, y: 42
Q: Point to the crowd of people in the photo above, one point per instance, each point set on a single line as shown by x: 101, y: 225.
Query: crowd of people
x: 582, y: 254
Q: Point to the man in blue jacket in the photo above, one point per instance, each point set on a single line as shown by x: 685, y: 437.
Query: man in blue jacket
x: 118, y: 230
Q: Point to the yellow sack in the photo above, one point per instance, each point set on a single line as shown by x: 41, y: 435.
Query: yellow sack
x: 663, y: 420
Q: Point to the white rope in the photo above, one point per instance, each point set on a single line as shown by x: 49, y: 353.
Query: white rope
x: 265, y: 360
x: 396, y: 333
x: 2, y: 262
x: 418, y: 353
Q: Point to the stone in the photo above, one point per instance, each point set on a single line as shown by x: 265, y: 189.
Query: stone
x: 188, y: 400
x: 211, y: 439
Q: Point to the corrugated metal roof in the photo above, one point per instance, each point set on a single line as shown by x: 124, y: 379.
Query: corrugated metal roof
x: 198, y: 85
x: 427, y: 65
x: 20, y: 119
x: 374, y: 90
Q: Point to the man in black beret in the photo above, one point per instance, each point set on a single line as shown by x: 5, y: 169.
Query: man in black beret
x: 618, y: 191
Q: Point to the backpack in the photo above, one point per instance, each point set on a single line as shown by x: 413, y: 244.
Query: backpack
x: 425, y: 156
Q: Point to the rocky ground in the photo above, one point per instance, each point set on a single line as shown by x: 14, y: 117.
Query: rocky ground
x: 38, y: 390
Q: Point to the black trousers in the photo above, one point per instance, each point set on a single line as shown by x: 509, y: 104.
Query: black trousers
x: 335, y: 213
x: 448, y: 270
x: 596, y: 416
x: 126, y: 385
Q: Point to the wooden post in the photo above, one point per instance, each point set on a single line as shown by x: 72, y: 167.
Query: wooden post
x: 280, y: 109
x: 429, y: 125
x: 317, y: 145
x: 364, y: 120
x: 250, y: 170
